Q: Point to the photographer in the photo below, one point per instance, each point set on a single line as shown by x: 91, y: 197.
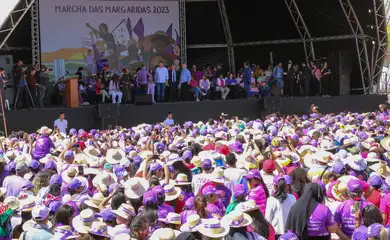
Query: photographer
x: 42, y: 79
x: 22, y: 91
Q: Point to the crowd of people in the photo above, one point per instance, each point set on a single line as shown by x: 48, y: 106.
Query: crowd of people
x: 289, y: 177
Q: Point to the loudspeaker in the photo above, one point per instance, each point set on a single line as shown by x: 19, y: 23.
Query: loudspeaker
x: 272, y: 104
x: 143, y: 99
x: 109, y: 121
x: 108, y: 110
x: 339, y: 64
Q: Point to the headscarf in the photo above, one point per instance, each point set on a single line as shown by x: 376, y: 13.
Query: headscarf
x: 302, y: 210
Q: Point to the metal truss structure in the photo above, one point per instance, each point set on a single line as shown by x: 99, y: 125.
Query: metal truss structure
x: 228, y: 35
x: 35, y: 45
x: 183, y: 31
x: 302, y: 29
x: 13, y: 19
x: 380, y: 43
x: 361, y: 45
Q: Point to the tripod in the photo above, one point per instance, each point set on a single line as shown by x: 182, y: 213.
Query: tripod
x: 22, y: 81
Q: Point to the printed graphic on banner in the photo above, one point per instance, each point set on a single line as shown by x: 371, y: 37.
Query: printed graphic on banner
x: 82, y: 33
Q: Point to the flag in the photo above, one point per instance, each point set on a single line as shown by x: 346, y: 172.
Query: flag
x: 169, y: 31
x: 139, y: 29
x: 178, y: 39
x: 129, y: 28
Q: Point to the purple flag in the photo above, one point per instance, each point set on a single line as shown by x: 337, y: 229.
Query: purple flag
x: 139, y: 29
x: 178, y: 40
x: 129, y: 28
x: 169, y: 31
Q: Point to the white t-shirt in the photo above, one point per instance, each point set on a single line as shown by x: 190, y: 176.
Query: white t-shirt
x: 268, y: 181
x: 234, y: 174
x: 276, y: 213
x: 199, y: 180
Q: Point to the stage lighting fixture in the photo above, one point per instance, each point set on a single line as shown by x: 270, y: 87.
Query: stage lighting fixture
x: 373, y: 42
x: 369, y: 11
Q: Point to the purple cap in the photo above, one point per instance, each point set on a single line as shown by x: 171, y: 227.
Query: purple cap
x: 253, y: 174
x: 288, y: 236
x: 208, y: 190
x: 72, y: 131
x: 375, y: 180
x: 278, y: 178
x: 374, y: 230
x: 56, y: 179
x: 40, y: 212
x: 189, y: 204
x: 206, y: 164
x: 354, y: 184
x: 158, y: 190
x: 10, y: 166
x: 137, y: 160
x: 27, y: 185
x: 150, y: 197
x: 187, y: 155
x: 120, y: 171
x: 288, y: 179
x: 339, y: 167
x: 107, y: 215
x: 74, y: 184
x: 34, y: 164
x: 239, y: 190
x: 92, y: 132
x: 50, y: 165
x: 154, y: 167
x: 69, y: 154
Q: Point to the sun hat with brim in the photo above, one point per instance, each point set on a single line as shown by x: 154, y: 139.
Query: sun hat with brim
x: 213, y: 228
x: 12, y: 202
x: 381, y: 168
x: 145, y: 154
x: 95, y: 201
x: 237, y: 219
x: 69, y: 174
x: 342, y: 187
x: 31, y: 224
x: 27, y: 202
x: 328, y: 145
x: 92, y: 152
x: 172, y: 218
x: 182, y: 180
x: 192, y: 222
x: 24, y: 157
x: 356, y: 162
x: 99, y: 229
x: 63, y: 232
x: 114, y: 156
x: 136, y: 187
x: 84, y: 220
x: 247, y: 206
x: 367, y: 143
x: 47, y: 158
x: 104, y: 180
x: 171, y: 192
x: 164, y: 234
x: 350, y: 140
x: 125, y: 211
x: 385, y: 143
x: 314, y: 160
x: 44, y: 130
x: 218, y: 176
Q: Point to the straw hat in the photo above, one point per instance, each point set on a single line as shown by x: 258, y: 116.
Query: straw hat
x: 31, y: 224
x: 24, y: 157
x: 381, y: 168
x: 27, y: 202
x: 182, y: 179
x: 237, y: 219
x: 95, y: 201
x: 313, y: 160
x: 10, y: 155
x: 104, y: 180
x: 83, y: 221
x: 367, y: 143
x: 172, y: 218
x: 125, y: 211
x: 247, y: 206
x: 2, y: 191
x: 213, y: 228
x: 192, y: 223
x: 81, y: 159
x: 171, y: 192
x: 99, y: 229
x: 12, y: 202
x: 385, y: 143
x: 69, y: 174
x: 44, y: 130
x: 145, y: 154
x: 114, y: 156
x: 164, y: 234
x: 63, y: 232
x: 92, y: 152
x: 218, y: 176
x: 327, y: 145
x: 136, y: 187
x: 47, y: 158
x: 356, y: 162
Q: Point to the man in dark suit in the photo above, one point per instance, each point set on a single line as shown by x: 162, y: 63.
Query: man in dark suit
x: 173, y: 82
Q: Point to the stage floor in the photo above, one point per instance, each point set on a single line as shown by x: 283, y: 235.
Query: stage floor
x: 87, y: 117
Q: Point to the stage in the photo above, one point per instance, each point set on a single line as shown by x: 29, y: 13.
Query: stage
x: 100, y: 116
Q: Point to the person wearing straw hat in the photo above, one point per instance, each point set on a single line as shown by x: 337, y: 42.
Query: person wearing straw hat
x: 192, y: 222
x: 173, y: 221
x: 213, y: 228
x: 14, y: 183
x: 164, y: 234
x: 238, y: 223
x: 83, y: 222
x: 39, y: 226
x: 172, y: 197
x: 124, y: 214
x: 185, y: 186
x: 77, y: 191
x: 222, y: 184
x: 43, y: 144
x: 63, y: 232
x: 99, y: 230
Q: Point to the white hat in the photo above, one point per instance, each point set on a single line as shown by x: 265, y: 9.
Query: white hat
x: 114, y: 156
x: 171, y: 192
x: 63, y: 232
x: 213, y: 228
x: 247, y: 206
x: 99, y: 229
x: 95, y: 201
x: 218, y: 176
x: 104, y: 180
x: 356, y: 162
x: 125, y: 211
x: 182, y: 179
x: 83, y: 221
x: 237, y: 219
x: 191, y: 224
x: 164, y: 234
x: 136, y: 187
x: 92, y: 152
x: 27, y: 202
x: 312, y: 161
x: 31, y: 224
x: 69, y: 174
x: 172, y: 218
x: 12, y: 202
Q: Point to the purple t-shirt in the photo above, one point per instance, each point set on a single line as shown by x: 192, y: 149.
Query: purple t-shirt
x: 185, y: 214
x: 320, y: 220
x: 213, y: 209
x: 385, y: 206
x: 42, y: 147
x: 344, y: 216
x: 14, y: 185
x: 164, y: 209
x: 359, y: 232
x: 226, y: 195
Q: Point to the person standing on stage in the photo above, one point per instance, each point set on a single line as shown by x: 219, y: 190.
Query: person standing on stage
x: 326, y: 79
x: 127, y: 85
x: 317, y: 76
x: 305, y: 79
x: 185, y: 78
x: 173, y: 83
x: 278, y: 75
x: 142, y: 80
x: 161, y: 76
x: 61, y: 123
x: 3, y: 82
x: 246, y: 78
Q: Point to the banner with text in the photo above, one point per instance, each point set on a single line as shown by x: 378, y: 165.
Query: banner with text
x: 78, y: 33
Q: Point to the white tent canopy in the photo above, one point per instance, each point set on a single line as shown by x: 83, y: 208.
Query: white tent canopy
x: 6, y: 8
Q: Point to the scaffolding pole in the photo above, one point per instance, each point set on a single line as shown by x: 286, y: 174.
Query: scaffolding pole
x: 361, y: 45
x: 35, y: 44
x: 183, y: 31
x: 302, y: 29
x: 228, y: 35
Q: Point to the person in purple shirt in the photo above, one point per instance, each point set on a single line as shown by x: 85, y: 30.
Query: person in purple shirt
x: 163, y: 208
x: 15, y: 183
x: 309, y: 218
x: 142, y: 79
x: 213, y: 206
x: 370, y: 215
x: 346, y: 211
x: 42, y: 147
